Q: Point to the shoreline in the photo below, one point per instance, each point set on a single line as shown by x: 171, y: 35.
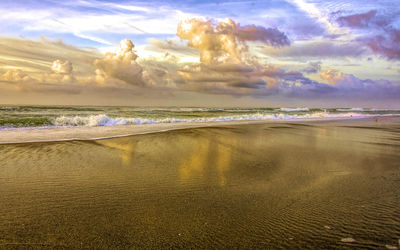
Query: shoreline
x: 32, y: 135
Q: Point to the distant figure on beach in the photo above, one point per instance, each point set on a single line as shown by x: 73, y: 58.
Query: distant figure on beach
x: 376, y: 119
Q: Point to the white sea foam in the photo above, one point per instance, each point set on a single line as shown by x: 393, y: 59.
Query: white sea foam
x: 294, y: 109
x: 352, y: 109
x: 104, y: 120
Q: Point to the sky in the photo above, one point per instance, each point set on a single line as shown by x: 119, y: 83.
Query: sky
x: 286, y: 53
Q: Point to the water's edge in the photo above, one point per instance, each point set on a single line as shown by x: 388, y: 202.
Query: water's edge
x: 83, y: 133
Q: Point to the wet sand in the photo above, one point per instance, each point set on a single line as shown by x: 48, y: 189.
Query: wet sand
x: 24, y: 135
x: 313, y: 184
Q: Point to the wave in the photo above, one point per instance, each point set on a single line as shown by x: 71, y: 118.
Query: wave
x: 351, y: 109
x: 104, y: 120
x: 294, y: 109
x: 112, y: 116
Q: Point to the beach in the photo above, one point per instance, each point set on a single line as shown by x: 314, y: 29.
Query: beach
x: 32, y: 134
x: 242, y: 184
x: 200, y: 124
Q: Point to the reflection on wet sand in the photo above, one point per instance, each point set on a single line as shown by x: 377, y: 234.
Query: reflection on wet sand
x: 247, y: 186
x: 126, y: 150
x: 224, y: 157
x: 193, y: 166
x: 211, y: 155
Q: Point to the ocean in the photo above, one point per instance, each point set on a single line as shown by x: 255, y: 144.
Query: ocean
x: 12, y: 117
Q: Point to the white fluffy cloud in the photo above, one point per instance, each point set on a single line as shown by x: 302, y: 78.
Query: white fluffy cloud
x: 225, y: 41
x: 15, y: 75
x: 61, y: 67
x: 350, y: 85
x: 226, y: 66
x: 121, y: 65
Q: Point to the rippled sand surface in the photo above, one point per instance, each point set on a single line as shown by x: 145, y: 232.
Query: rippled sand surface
x: 249, y: 186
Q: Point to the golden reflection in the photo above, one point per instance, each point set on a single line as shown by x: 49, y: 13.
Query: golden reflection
x: 322, y: 131
x: 195, y: 164
x: 212, y: 157
x: 224, y: 156
x: 126, y: 150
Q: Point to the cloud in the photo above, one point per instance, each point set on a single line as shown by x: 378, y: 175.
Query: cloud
x: 225, y: 41
x: 61, y: 80
x: 15, y: 75
x: 18, y: 76
x: 226, y: 66
x: 38, y: 56
x: 352, y: 86
x: 124, y: 67
x: 383, y: 38
x: 62, y: 67
x: 16, y: 79
x: 335, y: 77
x: 364, y: 20
x: 313, y: 11
x: 316, y: 49
x: 313, y: 67
x: 29, y: 65
x: 121, y: 65
x: 171, y: 46
x: 252, y: 80
x: 270, y: 36
x: 386, y: 44
x: 95, y: 22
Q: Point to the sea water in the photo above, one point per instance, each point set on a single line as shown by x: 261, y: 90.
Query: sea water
x: 68, y: 116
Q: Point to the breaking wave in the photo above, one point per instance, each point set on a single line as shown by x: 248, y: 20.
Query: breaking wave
x: 104, y: 120
x: 26, y: 117
x: 294, y: 109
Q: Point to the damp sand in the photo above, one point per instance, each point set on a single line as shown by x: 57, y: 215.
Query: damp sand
x: 260, y: 185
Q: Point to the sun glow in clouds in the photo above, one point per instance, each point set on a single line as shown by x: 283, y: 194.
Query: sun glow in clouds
x: 159, y: 49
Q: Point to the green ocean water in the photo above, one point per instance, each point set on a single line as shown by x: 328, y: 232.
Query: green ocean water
x: 50, y: 116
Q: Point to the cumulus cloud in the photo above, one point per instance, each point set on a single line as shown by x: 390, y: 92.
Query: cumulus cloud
x: 226, y: 66
x: 17, y: 79
x: 254, y: 80
x: 61, y: 67
x: 111, y: 70
x: 350, y: 85
x: 121, y: 65
x: 125, y: 67
x: 44, y: 66
x: 57, y: 77
x: 225, y: 41
x: 18, y: 76
x: 335, y: 77
x: 15, y: 75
